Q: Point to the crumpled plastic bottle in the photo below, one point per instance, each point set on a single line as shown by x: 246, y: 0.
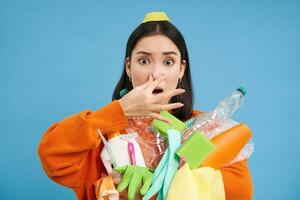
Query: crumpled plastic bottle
x: 220, y: 119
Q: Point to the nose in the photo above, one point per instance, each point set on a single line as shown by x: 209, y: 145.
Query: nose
x: 157, y: 72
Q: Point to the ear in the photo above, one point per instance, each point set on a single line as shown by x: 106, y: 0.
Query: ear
x: 182, y: 68
x: 128, y: 67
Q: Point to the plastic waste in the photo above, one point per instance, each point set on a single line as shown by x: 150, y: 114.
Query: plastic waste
x: 112, y: 155
x: 219, y: 120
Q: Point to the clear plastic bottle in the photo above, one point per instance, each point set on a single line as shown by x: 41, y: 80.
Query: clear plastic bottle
x: 228, y: 106
x: 220, y: 119
x: 210, y: 122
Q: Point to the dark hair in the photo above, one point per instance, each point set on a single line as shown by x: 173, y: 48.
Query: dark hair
x: 169, y: 30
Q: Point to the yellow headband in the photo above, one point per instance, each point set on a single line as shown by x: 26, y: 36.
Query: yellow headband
x: 156, y: 16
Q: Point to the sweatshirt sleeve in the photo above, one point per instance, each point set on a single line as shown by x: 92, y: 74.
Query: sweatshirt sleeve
x: 64, y: 146
x: 237, y: 181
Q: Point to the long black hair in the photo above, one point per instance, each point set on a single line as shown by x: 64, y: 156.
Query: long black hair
x: 168, y: 29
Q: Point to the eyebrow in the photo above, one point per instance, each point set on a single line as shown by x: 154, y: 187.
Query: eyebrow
x: 164, y: 53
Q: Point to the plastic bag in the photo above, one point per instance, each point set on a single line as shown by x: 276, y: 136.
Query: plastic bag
x: 152, y: 144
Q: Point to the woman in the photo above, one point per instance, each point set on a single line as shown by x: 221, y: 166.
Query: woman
x: 156, y: 77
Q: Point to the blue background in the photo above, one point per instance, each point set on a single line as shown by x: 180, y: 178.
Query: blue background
x: 60, y: 57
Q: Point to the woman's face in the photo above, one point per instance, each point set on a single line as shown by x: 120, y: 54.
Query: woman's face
x: 155, y: 55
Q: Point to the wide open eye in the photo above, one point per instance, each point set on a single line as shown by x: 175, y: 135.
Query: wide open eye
x: 168, y: 62
x: 143, y: 61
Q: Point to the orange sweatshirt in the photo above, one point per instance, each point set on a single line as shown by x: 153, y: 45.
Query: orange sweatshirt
x: 69, y: 152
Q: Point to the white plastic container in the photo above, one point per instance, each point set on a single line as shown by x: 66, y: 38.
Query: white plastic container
x: 118, y: 144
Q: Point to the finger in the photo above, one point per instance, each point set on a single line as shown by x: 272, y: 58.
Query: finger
x: 161, y: 118
x: 150, y: 80
x: 135, y: 183
x: 167, y: 95
x: 146, y: 185
x: 159, y: 107
x: 155, y: 83
x: 125, y: 181
x: 120, y: 169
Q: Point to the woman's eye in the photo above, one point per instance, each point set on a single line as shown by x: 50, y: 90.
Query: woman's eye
x: 169, y: 62
x: 143, y: 61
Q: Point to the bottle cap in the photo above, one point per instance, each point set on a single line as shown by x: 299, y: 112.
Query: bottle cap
x: 242, y: 90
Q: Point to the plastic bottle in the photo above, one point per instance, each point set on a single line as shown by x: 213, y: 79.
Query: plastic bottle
x: 219, y: 117
x: 219, y: 122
